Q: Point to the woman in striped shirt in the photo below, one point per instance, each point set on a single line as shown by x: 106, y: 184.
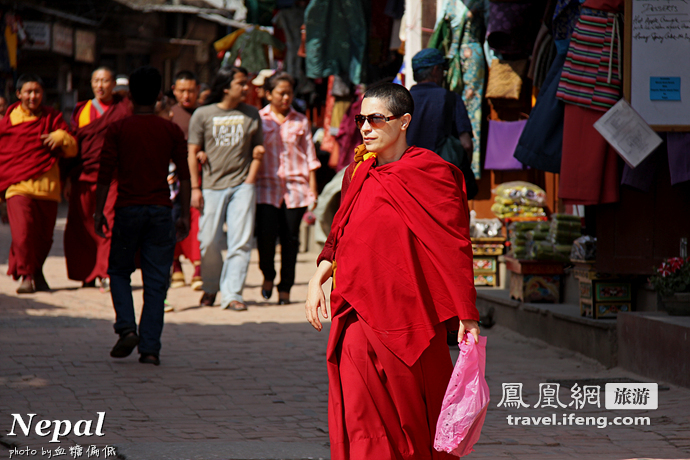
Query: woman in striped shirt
x: 286, y: 184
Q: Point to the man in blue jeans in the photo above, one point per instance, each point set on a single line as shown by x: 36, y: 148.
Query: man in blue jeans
x: 225, y: 137
x: 139, y: 148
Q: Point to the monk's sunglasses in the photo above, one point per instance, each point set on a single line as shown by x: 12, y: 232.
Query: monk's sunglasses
x: 375, y: 120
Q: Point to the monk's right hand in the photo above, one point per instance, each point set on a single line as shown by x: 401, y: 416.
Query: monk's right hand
x: 315, y: 300
x: 197, y: 199
x: 99, y: 221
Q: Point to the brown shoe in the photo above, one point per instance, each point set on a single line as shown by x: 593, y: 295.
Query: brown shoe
x: 27, y: 286
x: 208, y: 299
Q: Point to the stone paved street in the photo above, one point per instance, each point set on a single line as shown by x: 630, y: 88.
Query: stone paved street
x: 253, y: 384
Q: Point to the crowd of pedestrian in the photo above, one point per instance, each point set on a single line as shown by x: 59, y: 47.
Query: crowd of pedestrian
x: 152, y: 177
x: 134, y: 154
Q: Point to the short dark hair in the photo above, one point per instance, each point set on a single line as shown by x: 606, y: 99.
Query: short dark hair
x: 272, y: 81
x: 106, y: 68
x: 222, y: 81
x: 423, y: 74
x: 396, y: 98
x: 186, y: 75
x: 145, y: 85
x: 29, y: 78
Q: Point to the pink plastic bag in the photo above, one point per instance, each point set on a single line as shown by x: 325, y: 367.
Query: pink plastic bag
x: 466, y: 401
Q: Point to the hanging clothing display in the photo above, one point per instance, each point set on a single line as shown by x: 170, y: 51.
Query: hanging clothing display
x: 290, y: 20
x: 589, y: 165
x: 513, y: 27
x: 501, y: 142
x: 591, y: 75
x: 541, y: 141
x: 260, y: 11
x: 676, y: 148
x: 460, y: 35
x: 336, y: 38
x: 395, y: 8
x: 252, y: 48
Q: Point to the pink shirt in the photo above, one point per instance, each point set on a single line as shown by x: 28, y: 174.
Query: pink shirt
x: 290, y: 156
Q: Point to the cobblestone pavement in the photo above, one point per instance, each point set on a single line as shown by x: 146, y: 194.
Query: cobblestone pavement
x: 250, y: 385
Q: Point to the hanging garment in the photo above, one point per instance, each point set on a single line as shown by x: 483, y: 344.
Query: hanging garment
x: 460, y: 35
x: 677, y: 148
x: 228, y: 41
x: 589, y: 165
x: 501, y: 142
x: 260, y: 11
x: 336, y: 38
x: 541, y: 142
x: 290, y: 20
x: 591, y: 75
x: 252, y: 48
x: 395, y: 8
x: 565, y: 16
x: 513, y: 27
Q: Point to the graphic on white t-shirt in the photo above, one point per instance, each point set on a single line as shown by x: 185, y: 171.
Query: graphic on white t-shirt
x: 229, y: 130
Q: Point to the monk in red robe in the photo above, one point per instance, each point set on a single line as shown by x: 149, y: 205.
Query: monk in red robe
x: 86, y: 254
x: 186, y: 91
x: 32, y: 138
x: 401, y: 244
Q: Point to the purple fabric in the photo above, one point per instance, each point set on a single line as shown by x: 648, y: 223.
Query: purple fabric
x: 501, y: 143
x: 678, y: 148
x: 678, y: 156
x: 513, y: 27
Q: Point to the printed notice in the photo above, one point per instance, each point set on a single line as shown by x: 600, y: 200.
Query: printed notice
x: 664, y: 88
x: 627, y: 133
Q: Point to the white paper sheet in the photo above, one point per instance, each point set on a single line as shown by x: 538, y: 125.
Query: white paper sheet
x: 627, y: 133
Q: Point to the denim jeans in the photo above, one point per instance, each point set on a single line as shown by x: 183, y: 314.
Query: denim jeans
x: 235, y: 207
x: 149, y: 230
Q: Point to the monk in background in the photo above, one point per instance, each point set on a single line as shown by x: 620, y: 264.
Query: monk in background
x: 401, y: 244
x: 186, y: 91
x: 86, y: 254
x: 32, y: 138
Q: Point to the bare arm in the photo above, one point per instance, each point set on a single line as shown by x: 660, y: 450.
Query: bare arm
x: 257, y: 157
x: 196, y: 199
x: 466, y: 142
x: 315, y: 295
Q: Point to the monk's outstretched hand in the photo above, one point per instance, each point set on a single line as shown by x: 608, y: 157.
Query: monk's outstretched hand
x: 471, y: 326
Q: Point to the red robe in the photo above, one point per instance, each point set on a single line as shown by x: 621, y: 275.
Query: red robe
x: 22, y: 153
x: 403, y: 271
x: 22, y: 157
x: 86, y: 254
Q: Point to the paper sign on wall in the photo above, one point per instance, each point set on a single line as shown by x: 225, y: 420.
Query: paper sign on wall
x: 627, y: 133
x: 664, y: 88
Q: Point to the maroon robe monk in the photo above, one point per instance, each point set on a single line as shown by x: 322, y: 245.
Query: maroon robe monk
x: 86, y: 254
x: 401, y: 259
x: 186, y: 91
x: 32, y: 137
